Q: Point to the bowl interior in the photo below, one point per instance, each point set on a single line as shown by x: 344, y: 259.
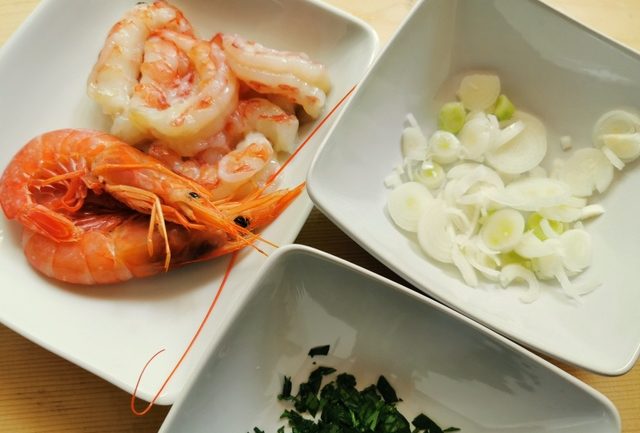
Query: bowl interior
x: 113, y: 330
x: 550, y: 66
x: 439, y: 363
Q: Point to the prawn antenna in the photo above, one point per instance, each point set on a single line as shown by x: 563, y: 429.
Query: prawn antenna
x: 146, y: 410
x: 273, y: 177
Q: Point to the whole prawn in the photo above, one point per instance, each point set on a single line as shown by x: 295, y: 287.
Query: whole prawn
x: 96, y: 210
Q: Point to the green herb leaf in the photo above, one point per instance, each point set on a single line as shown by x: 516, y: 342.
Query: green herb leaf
x: 423, y: 422
x: 386, y: 390
x: 319, y: 351
x: 286, y: 389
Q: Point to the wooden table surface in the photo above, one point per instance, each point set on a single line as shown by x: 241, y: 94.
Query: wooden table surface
x: 40, y: 392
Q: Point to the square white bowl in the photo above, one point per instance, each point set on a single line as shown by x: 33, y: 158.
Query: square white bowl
x: 549, y: 65
x: 112, y: 331
x: 439, y: 362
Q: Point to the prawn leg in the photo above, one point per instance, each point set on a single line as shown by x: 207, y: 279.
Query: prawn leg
x: 145, y: 202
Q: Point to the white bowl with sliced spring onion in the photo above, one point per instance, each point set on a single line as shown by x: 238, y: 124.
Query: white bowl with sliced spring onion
x: 570, y: 147
x: 440, y: 363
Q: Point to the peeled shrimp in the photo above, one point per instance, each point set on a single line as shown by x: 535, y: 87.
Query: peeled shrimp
x: 269, y: 71
x: 51, y: 186
x: 115, y: 74
x: 185, y: 93
x: 262, y: 115
x: 157, y: 80
x: 223, y: 175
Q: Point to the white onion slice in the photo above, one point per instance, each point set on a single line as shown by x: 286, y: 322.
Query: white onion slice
x: 531, y: 247
x: 414, y: 143
x: 508, y: 133
x: 459, y: 170
x: 591, y: 211
x: 503, y: 230
x: 625, y: 146
x: 479, y: 91
x: 393, y: 180
x: 427, y: 173
x: 587, y: 169
x: 563, y: 213
x: 463, y: 265
x: 433, y: 231
x: 514, y: 271
x: 407, y: 203
x: 576, y: 249
x: 525, y: 151
x: 548, y: 266
x: 444, y: 147
x: 612, y: 157
x: 476, y: 137
x: 615, y: 122
x: 533, y: 193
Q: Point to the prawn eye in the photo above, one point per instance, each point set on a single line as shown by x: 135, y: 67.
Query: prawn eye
x: 242, y: 221
x: 194, y: 194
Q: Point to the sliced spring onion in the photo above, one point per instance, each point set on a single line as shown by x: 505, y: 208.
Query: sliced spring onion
x: 533, y: 193
x: 503, y: 230
x: 531, y: 247
x: 444, y: 147
x: 591, y: 211
x: 476, y: 137
x: 452, y: 117
x: 615, y: 122
x: 433, y: 231
x: 565, y: 142
x: 512, y: 272
x: 587, y: 169
x: 535, y: 223
x: 508, y: 133
x: 525, y: 151
x: 407, y: 203
x: 576, y: 249
x: 466, y: 270
x: 504, y: 108
x: 562, y: 213
x: 479, y: 91
x: 612, y: 157
x: 414, y: 143
x: 625, y: 146
x: 430, y: 174
x: 393, y: 180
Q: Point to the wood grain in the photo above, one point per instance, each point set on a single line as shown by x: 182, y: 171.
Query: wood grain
x: 40, y: 392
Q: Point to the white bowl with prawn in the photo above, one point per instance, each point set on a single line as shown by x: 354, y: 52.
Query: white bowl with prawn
x: 440, y: 363
x: 113, y: 330
x: 549, y: 65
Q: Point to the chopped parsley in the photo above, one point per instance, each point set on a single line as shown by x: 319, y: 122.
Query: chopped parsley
x: 319, y: 351
x: 339, y: 407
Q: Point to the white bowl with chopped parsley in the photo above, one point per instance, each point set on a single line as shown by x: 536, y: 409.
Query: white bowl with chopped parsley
x: 408, y: 355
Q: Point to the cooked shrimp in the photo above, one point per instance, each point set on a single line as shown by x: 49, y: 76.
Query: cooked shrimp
x: 262, y: 115
x: 51, y: 185
x: 269, y: 71
x: 157, y: 80
x: 115, y: 74
x: 115, y: 244
x: 223, y: 175
x: 185, y: 93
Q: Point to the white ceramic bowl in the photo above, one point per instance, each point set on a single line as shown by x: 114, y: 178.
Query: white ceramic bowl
x: 440, y: 363
x: 550, y: 65
x: 112, y: 331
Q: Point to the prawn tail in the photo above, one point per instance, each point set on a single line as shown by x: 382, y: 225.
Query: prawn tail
x: 49, y: 223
